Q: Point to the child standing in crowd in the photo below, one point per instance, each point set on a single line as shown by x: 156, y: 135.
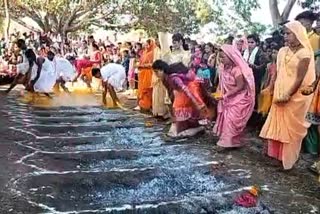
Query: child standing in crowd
x: 132, y: 74
x: 266, y: 95
x: 126, y: 63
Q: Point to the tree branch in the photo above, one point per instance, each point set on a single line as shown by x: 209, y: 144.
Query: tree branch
x: 274, y: 10
x: 286, y: 11
x: 24, y: 24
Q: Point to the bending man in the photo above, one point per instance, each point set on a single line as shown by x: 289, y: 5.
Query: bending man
x: 113, y: 78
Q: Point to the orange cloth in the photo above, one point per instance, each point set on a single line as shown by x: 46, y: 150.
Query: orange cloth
x: 183, y: 101
x: 144, y: 88
x: 87, y: 72
x: 187, y: 101
x: 145, y: 78
x: 264, y: 102
x: 286, y: 122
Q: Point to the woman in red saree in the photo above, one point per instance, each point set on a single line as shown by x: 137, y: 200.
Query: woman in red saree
x: 145, y: 77
x: 95, y: 61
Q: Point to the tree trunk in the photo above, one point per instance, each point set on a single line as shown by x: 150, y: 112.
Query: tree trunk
x: 7, y: 20
x: 63, y: 36
x: 287, y: 10
x: 278, y: 18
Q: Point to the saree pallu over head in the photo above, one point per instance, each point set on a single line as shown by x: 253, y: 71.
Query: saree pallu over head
x: 238, y: 39
x: 235, y: 110
x: 286, y: 125
x: 288, y: 61
x: 237, y: 59
x: 148, y: 54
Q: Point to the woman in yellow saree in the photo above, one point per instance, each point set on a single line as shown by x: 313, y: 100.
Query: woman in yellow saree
x: 286, y: 126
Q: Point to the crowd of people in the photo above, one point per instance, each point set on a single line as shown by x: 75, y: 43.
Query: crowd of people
x: 275, y: 81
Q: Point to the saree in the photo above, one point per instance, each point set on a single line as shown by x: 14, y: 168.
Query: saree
x: 84, y: 67
x: 234, y: 111
x: 145, y: 78
x: 159, y: 92
x: 286, y: 126
x: 189, y: 97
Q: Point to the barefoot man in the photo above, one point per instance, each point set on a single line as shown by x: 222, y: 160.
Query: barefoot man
x: 23, y: 68
x: 113, y: 78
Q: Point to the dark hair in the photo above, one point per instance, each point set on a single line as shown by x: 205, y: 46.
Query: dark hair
x: 276, y: 47
x: 178, y: 37
x: 193, y: 42
x: 170, y: 69
x: 50, y: 53
x: 268, y: 40
x: 161, y: 65
x: 91, y: 37
x: 132, y: 53
x: 126, y: 52
x: 94, y: 45
x: 70, y: 58
x: 31, y: 56
x: 211, y: 46
x: 178, y: 68
x: 149, y: 41
x: 255, y: 38
x: 95, y: 71
x: 309, y: 15
x: 229, y: 39
x: 21, y: 44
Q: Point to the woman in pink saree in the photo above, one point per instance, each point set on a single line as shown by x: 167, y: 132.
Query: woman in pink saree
x: 238, y: 96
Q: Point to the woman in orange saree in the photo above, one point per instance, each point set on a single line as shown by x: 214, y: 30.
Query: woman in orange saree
x: 286, y: 126
x: 145, y: 77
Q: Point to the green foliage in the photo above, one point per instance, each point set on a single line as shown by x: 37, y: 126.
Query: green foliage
x: 1, y: 24
x: 256, y: 27
x: 310, y: 4
x: 185, y: 16
x: 233, y: 16
x: 161, y: 15
x: 62, y: 16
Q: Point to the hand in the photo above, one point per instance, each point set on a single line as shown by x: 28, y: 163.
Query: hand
x: 204, y: 112
x: 218, y: 98
x: 307, y: 90
x: 283, y: 100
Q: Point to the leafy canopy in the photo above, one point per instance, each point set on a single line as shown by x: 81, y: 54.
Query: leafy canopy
x: 185, y: 16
